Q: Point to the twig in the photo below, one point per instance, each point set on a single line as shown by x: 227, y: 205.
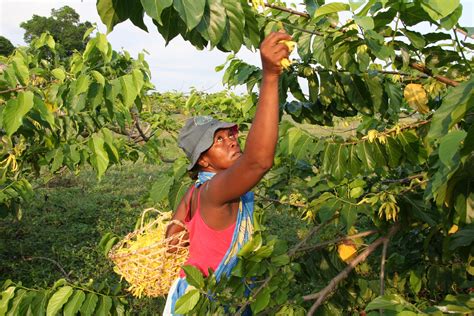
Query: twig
x: 464, y: 33
x: 288, y: 10
x: 66, y: 275
x: 461, y: 50
x: 322, y: 295
x: 292, y: 251
x: 337, y: 240
x: 407, y: 179
x: 12, y: 90
x: 382, y: 269
x: 387, y: 132
x: 280, y: 202
x: 423, y: 69
x: 140, y: 131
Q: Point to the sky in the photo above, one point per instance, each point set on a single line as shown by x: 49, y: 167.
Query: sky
x: 178, y: 66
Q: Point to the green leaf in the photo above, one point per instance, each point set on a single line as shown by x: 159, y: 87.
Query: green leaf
x: 74, y: 303
x: 415, y: 281
x: 213, y: 22
x: 172, y: 24
x: 392, y: 302
x: 449, y: 146
x: 348, y: 215
x: 6, y: 296
x: 112, y: 12
x: 393, y: 151
x: 16, y: 303
x: 59, y: 74
x: 99, y: 157
x: 331, y: 8
x: 232, y: 38
x: 58, y: 299
x: 57, y: 160
x: 154, y: 8
x: 191, y: 11
x: 104, y: 306
x: 415, y: 38
x: 129, y: 91
x: 15, y: 110
x: 187, y: 302
x: 177, y: 191
x: 87, y: 309
x: 364, y: 152
x: 161, y: 188
x: 81, y: 84
x: 261, y: 301
x: 438, y: 9
x: 365, y: 22
x: 45, y: 113
x: 194, y: 276
x: 21, y: 70
x: 448, y: 22
x: 455, y: 104
x: 356, y: 4
x: 339, y: 164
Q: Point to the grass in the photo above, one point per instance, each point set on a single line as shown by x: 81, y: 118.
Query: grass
x: 61, y: 227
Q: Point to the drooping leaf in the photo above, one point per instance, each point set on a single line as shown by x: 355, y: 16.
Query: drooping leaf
x: 331, y: 8
x: 161, y: 187
x: 112, y: 12
x: 99, y: 158
x: 261, y: 301
x: 456, y: 103
x: 105, y: 305
x: 449, y: 147
x: 89, y: 304
x: 193, y: 276
x: 438, y: 9
x: 213, y: 22
x: 154, y: 8
x: 232, y: 38
x: 58, y: 299
x: 365, y: 22
x: 190, y: 11
x: 187, y: 302
x: 15, y: 110
x: 5, y: 299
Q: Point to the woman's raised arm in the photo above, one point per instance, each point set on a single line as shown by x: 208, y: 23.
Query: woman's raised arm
x: 259, y: 152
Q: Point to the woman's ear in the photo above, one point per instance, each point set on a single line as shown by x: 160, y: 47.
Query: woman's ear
x: 202, y: 161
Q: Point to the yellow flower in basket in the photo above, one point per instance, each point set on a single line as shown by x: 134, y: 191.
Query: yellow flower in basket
x: 148, y: 260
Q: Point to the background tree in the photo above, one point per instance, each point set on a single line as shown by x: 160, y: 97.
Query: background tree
x: 63, y: 25
x: 6, y: 47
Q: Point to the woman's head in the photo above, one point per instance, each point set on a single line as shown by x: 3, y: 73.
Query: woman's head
x: 210, y: 145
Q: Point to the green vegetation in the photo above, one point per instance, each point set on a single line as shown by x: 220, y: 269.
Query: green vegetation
x: 6, y: 47
x: 371, y: 212
x: 65, y: 27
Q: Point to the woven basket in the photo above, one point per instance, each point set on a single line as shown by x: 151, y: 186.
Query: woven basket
x: 149, y: 261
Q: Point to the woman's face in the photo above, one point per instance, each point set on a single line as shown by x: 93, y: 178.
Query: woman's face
x: 224, y: 151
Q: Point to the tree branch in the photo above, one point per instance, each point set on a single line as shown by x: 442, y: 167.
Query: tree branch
x: 423, y: 69
x: 12, y: 90
x: 322, y: 295
x: 66, y: 275
x: 337, y: 240
x: 291, y: 253
x: 382, y: 268
x: 279, y: 202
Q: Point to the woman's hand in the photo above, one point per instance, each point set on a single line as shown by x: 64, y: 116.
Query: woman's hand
x: 272, y: 52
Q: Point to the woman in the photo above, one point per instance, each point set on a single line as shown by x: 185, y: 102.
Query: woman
x: 218, y: 208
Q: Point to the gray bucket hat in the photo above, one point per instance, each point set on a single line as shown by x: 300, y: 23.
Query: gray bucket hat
x: 197, y: 136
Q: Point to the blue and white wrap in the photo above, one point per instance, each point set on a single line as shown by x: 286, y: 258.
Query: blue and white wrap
x: 242, y: 233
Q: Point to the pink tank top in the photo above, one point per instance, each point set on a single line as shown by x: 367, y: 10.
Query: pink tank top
x: 207, y: 246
